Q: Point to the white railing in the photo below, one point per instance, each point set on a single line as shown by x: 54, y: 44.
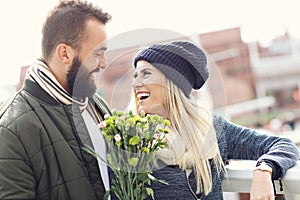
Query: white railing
x: 246, y: 106
x: 240, y: 176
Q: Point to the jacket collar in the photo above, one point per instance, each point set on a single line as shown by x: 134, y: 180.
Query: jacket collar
x: 36, y: 91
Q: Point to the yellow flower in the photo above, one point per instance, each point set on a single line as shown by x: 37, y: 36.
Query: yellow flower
x: 134, y: 140
x: 130, y: 121
x: 167, y: 122
x: 120, y: 113
x: 109, y: 122
x: 133, y: 161
x: 145, y: 149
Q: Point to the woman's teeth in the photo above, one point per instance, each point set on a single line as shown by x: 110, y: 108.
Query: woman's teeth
x: 142, y: 96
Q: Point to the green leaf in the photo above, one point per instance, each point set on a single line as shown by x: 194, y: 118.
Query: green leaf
x: 142, y: 113
x: 150, y: 192
x: 106, y: 195
x: 119, y: 143
x: 154, y: 179
x: 137, y: 192
x: 142, y: 176
x: 162, y: 181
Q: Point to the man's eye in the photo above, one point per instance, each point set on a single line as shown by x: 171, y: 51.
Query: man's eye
x: 99, y: 54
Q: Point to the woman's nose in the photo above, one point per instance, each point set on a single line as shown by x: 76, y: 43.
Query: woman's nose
x: 136, y: 82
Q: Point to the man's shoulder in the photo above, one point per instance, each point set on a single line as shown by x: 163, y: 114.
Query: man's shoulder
x: 14, y: 108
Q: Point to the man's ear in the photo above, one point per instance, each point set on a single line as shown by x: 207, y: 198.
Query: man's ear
x: 65, y: 53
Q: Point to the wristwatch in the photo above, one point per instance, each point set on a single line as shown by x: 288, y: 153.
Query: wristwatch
x: 264, y: 167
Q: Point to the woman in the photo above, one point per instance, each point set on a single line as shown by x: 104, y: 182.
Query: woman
x: 200, y: 142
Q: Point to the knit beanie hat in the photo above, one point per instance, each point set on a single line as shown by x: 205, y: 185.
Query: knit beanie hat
x: 180, y: 61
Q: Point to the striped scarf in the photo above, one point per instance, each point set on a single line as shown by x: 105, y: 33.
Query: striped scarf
x: 40, y: 73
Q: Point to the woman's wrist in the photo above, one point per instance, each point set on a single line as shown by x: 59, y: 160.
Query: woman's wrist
x: 264, y: 167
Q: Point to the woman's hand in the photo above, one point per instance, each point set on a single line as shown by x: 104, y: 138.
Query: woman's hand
x: 262, y: 187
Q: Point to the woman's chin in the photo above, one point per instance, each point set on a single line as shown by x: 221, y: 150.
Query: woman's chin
x: 153, y: 110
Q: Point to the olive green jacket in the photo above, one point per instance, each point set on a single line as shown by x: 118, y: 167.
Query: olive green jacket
x: 41, y: 154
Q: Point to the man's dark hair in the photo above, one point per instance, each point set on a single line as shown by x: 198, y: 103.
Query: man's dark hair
x: 66, y: 23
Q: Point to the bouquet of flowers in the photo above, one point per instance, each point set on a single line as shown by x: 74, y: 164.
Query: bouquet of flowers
x: 132, y: 143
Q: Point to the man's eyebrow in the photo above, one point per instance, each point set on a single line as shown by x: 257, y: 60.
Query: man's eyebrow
x: 101, y: 49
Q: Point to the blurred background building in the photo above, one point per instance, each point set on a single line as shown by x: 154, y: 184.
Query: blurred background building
x: 253, y: 85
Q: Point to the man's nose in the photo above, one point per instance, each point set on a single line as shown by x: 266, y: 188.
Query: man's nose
x: 102, y: 63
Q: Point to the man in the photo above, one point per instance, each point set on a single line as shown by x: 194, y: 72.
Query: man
x: 44, y: 128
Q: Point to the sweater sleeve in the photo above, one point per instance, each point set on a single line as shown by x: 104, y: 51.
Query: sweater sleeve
x: 250, y: 144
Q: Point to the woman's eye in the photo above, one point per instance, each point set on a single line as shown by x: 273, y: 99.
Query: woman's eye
x: 146, y: 73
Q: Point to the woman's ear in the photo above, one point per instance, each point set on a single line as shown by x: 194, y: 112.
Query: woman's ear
x: 65, y: 53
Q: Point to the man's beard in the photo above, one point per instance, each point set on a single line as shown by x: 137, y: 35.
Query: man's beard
x: 78, y: 79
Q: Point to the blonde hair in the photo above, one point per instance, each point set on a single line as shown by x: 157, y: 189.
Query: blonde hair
x: 192, y: 143
x: 193, y: 124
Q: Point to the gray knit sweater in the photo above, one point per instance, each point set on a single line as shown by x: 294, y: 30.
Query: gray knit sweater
x: 235, y: 142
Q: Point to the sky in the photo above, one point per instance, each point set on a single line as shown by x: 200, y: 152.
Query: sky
x: 259, y: 20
